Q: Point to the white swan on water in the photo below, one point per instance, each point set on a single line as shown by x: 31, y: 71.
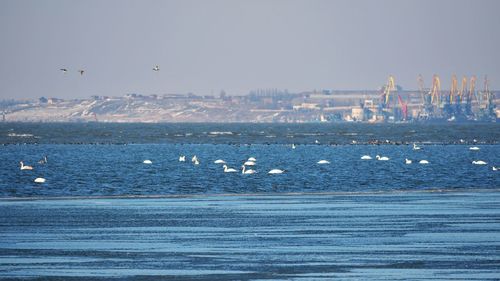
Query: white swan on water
x: 423, y: 162
x: 219, y: 161
x: 147, y: 161
x: 249, y: 163
x: 228, y: 170
x: 23, y: 167
x: 474, y: 148
x: 39, y: 180
x: 182, y: 158
x: 246, y: 172
x: 252, y: 159
x: 276, y: 171
x: 494, y: 168
x: 323, y: 162
x: 366, y: 157
x: 407, y: 161
x: 415, y: 147
x: 383, y: 158
x: 479, y: 162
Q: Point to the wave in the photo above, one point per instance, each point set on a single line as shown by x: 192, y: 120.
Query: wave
x: 220, y: 133
x: 310, y: 134
x: 20, y: 135
x: 88, y: 133
x: 262, y: 194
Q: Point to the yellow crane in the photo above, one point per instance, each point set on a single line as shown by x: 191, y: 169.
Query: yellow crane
x: 389, y: 87
x: 486, y: 91
x: 470, y: 95
x: 453, y: 89
x: 472, y: 87
x: 463, y: 88
x: 436, y: 89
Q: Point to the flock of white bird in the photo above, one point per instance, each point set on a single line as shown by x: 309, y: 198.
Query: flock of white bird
x: 250, y: 162
x: 423, y: 161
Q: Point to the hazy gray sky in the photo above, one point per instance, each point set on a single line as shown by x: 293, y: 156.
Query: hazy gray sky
x: 205, y: 46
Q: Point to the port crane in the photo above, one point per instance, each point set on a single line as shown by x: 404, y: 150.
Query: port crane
x: 461, y: 93
x: 463, y: 90
x: 469, y: 96
x: 435, y: 96
x: 459, y: 103
x: 487, y: 107
x: 404, y: 107
x: 435, y: 90
x: 448, y: 109
x: 485, y: 95
x: 426, y: 98
x: 453, y: 89
x: 398, y: 113
x: 388, y: 88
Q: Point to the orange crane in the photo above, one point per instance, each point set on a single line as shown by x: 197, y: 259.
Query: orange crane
x: 404, y: 107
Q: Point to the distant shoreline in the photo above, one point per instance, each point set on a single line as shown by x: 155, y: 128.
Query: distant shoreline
x: 262, y: 107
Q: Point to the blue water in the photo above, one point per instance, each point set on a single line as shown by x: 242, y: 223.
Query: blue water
x: 388, y: 236
x: 97, y: 170
x: 102, y: 214
x: 236, y: 133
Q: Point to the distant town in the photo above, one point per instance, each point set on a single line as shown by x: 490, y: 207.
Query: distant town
x: 388, y: 104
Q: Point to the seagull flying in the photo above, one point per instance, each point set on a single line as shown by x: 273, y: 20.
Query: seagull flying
x: 81, y: 71
x: 156, y: 68
x: 64, y: 70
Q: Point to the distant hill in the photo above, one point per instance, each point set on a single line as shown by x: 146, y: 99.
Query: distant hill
x: 256, y: 107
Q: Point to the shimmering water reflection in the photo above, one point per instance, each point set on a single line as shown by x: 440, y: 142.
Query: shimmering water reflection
x: 115, y: 170
x: 389, y: 236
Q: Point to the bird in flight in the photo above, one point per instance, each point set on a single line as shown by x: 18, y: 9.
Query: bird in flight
x: 156, y: 68
x: 64, y: 70
x: 81, y: 71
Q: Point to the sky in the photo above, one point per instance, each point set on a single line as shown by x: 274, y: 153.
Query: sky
x: 205, y: 46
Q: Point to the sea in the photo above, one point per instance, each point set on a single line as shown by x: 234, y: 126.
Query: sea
x: 102, y: 213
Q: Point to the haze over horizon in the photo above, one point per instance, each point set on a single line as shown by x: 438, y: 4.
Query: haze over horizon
x: 206, y: 46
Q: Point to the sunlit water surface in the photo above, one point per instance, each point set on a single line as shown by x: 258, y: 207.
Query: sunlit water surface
x: 103, y: 214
